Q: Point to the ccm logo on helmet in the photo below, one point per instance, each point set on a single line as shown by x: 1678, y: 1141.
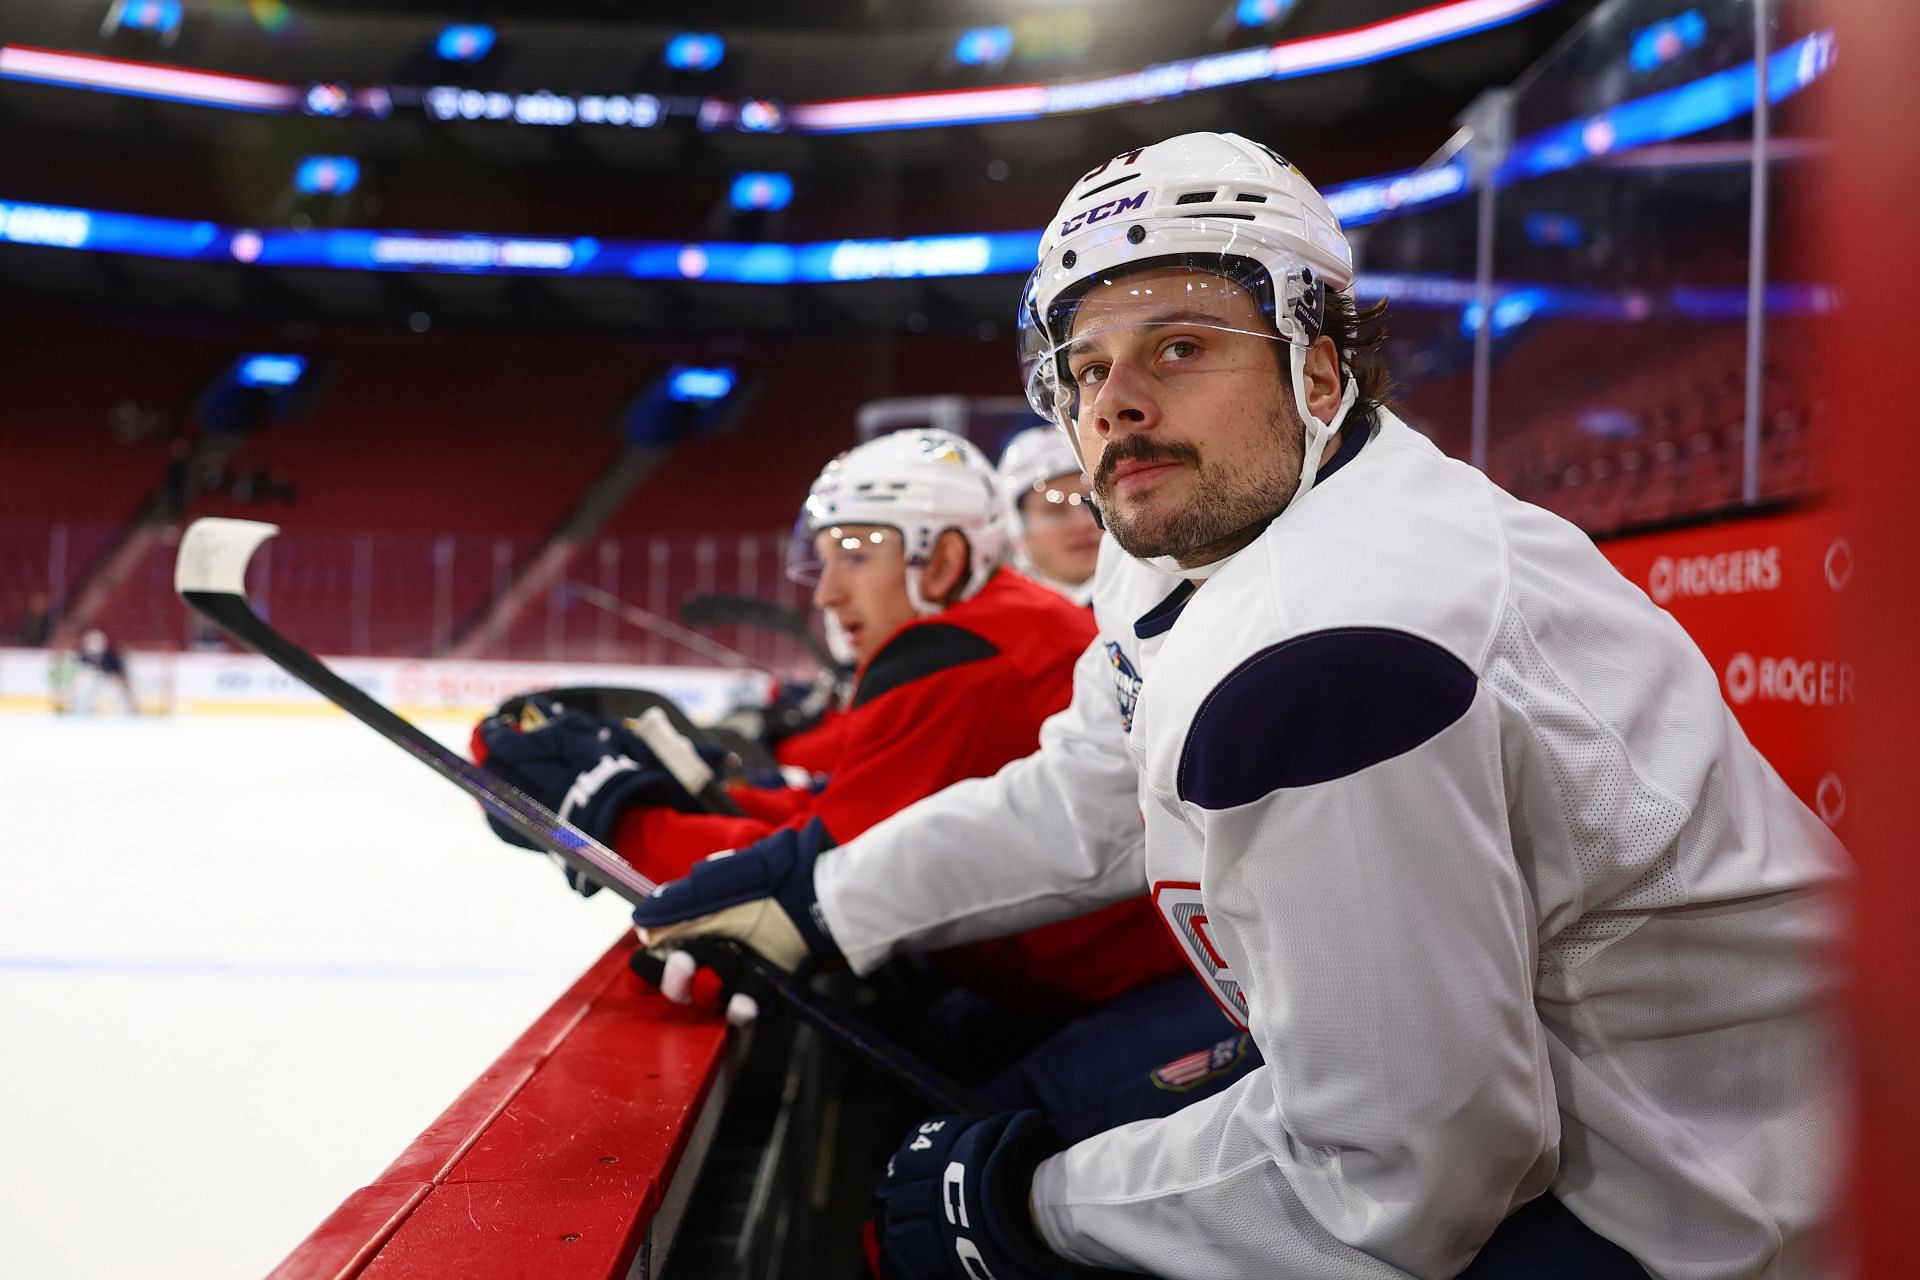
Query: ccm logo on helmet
x: 1101, y: 212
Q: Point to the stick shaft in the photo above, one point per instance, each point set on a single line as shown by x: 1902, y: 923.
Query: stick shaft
x: 233, y: 614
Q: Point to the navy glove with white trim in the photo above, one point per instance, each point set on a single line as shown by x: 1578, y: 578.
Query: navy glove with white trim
x: 760, y: 896
x: 954, y: 1202
x: 589, y: 771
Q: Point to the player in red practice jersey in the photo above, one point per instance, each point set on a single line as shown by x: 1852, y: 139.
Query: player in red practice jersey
x: 960, y: 660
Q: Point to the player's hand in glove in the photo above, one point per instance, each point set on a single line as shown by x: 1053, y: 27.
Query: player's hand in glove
x: 589, y: 771
x: 953, y: 1205
x: 760, y: 897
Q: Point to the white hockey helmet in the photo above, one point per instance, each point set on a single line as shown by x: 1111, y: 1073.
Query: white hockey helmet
x: 920, y: 482
x: 1032, y: 457
x: 1213, y: 202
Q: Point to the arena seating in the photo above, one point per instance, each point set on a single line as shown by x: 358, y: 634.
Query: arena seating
x: 397, y: 538
x: 87, y: 435
x: 1618, y: 427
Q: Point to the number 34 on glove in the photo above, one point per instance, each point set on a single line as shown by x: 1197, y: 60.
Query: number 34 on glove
x: 953, y: 1205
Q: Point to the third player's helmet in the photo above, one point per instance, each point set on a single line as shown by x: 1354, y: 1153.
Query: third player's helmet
x: 1213, y: 202
x: 919, y: 482
x: 1033, y: 457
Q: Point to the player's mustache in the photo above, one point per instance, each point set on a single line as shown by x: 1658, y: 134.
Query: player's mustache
x: 1141, y: 449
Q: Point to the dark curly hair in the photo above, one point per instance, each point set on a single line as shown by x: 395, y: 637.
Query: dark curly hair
x: 1357, y: 333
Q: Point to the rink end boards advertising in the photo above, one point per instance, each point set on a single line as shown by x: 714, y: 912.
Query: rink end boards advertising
x: 1763, y: 598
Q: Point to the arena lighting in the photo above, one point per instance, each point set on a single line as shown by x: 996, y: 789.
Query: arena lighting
x: 1516, y: 303
x: 1370, y: 199
x: 145, y: 80
x: 1702, y: 105
x: 326, y: 175
x: 161, y: 17
x: 760, y: 115
x: 695, y: 51
x: 699, y: 386
x: 1308, y: 55
x: 995, y: 253
x: 464, y: 42
x: 1511, y: 309
x: 272, y: 15
x: 1525, y: 301
x: 1656, y: 45
x: 983, y: 46
x: 1555, y: 230
x: 638, y: 111
x: 1262, y: 13
x: 1675, y: 113
x: 761, y: 192
x: 270, y: 371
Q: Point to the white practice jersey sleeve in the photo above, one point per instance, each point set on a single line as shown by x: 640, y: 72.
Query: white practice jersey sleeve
x: 1049, y: 837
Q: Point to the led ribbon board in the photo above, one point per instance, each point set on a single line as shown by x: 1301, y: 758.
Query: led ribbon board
x: 1286, y: 59
x: 1691, y: 108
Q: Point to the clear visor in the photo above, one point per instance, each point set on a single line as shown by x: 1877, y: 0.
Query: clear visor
x: 1207, y: 276
x: 1061, y: 498
x: 814, y: 550
x: 1167, y: 329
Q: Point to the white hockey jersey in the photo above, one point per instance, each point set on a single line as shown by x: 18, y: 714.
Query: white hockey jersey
x: 1455, y: 821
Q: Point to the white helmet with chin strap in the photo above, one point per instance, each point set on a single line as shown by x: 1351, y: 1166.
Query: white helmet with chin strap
x: 1031, y: 458
x: 919, y: 482
x: 1212, y: 202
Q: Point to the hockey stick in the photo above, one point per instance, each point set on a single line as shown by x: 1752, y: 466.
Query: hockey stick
x: 747, y: 611
x: 210, y: 575
x: 665, y: 628
x: 676, y: 751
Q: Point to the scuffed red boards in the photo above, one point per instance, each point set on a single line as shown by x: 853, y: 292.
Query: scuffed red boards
x: 573, y: 1132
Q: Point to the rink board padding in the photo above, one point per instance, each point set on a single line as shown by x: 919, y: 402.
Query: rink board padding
x: 555, y: 1162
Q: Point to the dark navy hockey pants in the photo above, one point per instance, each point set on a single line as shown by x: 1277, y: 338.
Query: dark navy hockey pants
x: 1164, y: 1046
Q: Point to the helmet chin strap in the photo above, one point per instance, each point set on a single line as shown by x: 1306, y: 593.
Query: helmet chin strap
x: 1312, y: 446
x: 921, y: 605
x: 1318, y: 432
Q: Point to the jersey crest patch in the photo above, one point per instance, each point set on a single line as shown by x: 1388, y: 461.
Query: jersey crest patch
x: 1126, y: 684
x: 1184, y: 1074
x: 1181, y: 906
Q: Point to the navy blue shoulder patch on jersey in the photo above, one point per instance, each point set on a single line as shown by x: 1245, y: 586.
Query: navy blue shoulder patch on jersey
x: 917, y: 652
x: 1159, y: 620
x: 1319, y: 707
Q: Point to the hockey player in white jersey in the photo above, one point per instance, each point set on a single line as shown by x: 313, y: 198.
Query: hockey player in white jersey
x: 1442, y: 809
x: 1050, y: 512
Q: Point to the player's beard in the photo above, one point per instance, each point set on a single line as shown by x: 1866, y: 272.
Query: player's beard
x: 1225, y: 508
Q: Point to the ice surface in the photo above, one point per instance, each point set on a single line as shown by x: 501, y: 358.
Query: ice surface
x: 243, y: 962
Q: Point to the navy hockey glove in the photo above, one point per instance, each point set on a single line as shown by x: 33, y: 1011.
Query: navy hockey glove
x: 587, y: 770
x: 953, y: 1205
x: 760, y: 896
